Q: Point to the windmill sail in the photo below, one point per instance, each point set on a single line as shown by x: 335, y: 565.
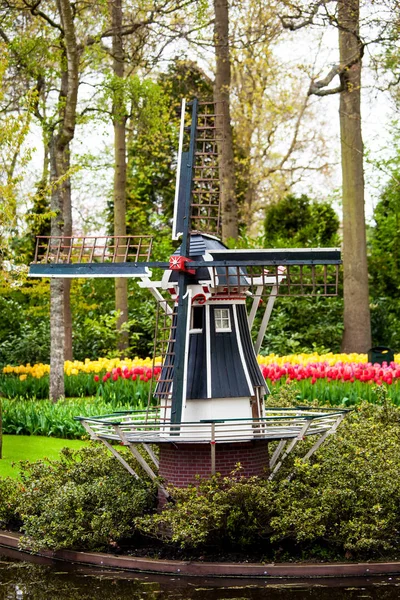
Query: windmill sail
x: 91, y: 256
x: 197, y: 179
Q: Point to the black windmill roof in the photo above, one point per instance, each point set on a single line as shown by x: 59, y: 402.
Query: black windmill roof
x: 200, y: 245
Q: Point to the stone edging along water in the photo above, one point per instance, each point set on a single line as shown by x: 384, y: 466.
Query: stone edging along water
x: 208, y: 569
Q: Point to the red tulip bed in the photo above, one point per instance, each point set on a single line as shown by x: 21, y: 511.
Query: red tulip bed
x: 332, y: 379
x: 339, y: 383
x: 345, y: 383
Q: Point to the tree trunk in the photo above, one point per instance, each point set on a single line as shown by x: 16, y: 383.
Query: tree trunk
x: 59, y: 152
x: 67, y: 211
x: 357, y: 327
x: 119, y: 123
x: 57, y: 334
x: 229, y: 213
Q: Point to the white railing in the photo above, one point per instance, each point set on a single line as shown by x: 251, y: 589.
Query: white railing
x: 278, y: 424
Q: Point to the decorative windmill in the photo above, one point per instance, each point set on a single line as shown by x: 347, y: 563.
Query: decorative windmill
x: 210, y: 413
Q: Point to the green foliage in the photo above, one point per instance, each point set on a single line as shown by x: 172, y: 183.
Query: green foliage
x: 150, y: 156
x: 385, y: 322
x: 41, y: 417
x: 9, y: 496
x: 384, y: 260
x: 384, y: 264
x: 85, y: 500
x: 152, y: 150
x: 24, y: 323
x: 219, y: 511
x: 346, y: 500
x: 304, y: 325
x: 29, y: 344
x: 25, y: 328
x: 296, y: 221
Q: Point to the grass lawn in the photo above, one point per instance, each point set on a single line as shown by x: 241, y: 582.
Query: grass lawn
x: 31, y: 447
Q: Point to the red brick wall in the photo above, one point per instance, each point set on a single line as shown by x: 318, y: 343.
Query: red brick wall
x: 180, y: 463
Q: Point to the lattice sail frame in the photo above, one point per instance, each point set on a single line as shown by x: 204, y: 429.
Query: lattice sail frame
x: 92, y: 249
x: 279, y: 280
x: 206, y: 202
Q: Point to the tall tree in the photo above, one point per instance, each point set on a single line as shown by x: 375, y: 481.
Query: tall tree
x: 61, y: 197
x: 357, y: 327
x: 59, y: 69
x: 119, y: 118
x: 15, y: 120
x: 222, y: 88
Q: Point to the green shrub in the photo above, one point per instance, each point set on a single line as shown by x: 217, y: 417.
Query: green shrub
x: 10, y: 491
x: 85, y: 500
x: 345, y: 501
x: 220, y: 511
x: 27, y: 341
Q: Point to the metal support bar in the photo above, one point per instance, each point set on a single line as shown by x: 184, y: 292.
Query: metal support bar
x: 119, y: 457
x: 321, y: 440
x: 147, y: 283
x: 135, y: 453
x: 153, y: 457
x: 290, y: 448
x: 323, y: 437
x: 266, y: 317
x: 254, y: 306
x: 142, y: 462
x: 123, y: 462
x: 277, y: 453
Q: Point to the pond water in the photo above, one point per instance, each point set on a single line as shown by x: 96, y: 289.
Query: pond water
x: 43, y: 580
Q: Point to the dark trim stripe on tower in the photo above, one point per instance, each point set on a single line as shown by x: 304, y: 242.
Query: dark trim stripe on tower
x: 256, y: 376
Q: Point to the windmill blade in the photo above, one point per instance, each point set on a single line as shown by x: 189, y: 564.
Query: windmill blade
x: 270, y: 257
x: 181, y: 181
x: 178, y: 263
x: 92, y: 256
x: 285, y: 272
x: 197, y: 176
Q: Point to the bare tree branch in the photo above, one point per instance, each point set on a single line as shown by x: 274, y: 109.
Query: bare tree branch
x: 33, y: 8
x: 292, y: 22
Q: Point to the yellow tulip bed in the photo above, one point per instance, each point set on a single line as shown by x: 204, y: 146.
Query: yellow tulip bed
x: 109, y: 364
x: 332, y: 378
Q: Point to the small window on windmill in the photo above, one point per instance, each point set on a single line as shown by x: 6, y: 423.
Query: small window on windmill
x: 222, y: 320
x: 196, y: 325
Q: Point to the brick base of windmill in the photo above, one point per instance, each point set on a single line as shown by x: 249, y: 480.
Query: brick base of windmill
x: 184, y: 464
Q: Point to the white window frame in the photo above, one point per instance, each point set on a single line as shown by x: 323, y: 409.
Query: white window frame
x: 222, y: 318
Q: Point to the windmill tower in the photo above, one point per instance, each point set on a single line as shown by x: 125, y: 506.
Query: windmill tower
x: 210, y: 414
